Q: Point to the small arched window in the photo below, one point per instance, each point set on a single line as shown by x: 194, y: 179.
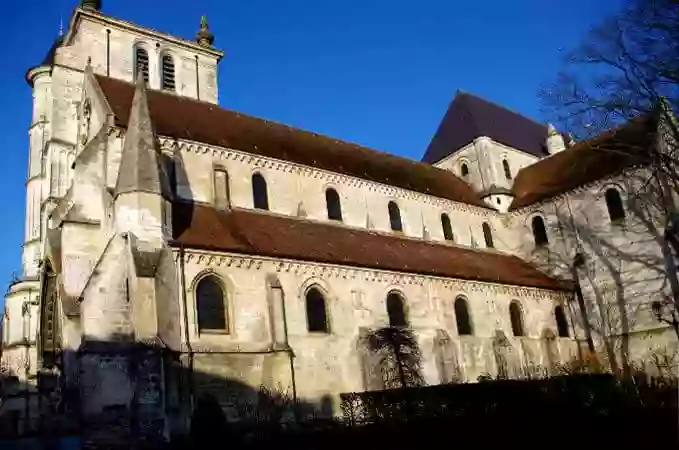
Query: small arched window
x: 168, y: 73
x: 316, y: 313
x: 396, y: 310
x: 395, y: 217
x: 539, y: 231
x: 464, y: 322
x: 488, y: 235
x: 516, y: 317
x: 333, y: 204
x: 211, y: 305
x: 464, y: 170
x: 141, y: 62
x: 561, y: 322
x: 222, y: 195
x: 447, y: 229
x: 508, y: 171
x: 616, y: 210
x: 260, y: 194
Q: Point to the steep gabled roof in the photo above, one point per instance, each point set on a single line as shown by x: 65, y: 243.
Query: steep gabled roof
x: 586, y: 162
x: 185, y: 118
x: 265, y: 234
x: 469, y: 117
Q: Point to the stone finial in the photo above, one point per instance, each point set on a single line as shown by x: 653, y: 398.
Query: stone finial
x: 140, y: 163
x: 555, y: 142
x: 205, y: 36
x: 91, y: 4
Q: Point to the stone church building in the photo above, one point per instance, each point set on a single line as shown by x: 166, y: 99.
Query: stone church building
x: 175, y: 248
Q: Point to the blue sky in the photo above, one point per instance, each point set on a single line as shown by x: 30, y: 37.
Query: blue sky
x: 377, y: 72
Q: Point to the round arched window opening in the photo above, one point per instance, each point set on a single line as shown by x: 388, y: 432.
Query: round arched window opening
x: 396, y: 310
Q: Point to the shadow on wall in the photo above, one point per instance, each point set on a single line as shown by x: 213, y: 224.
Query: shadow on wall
x: 118, y: 392
x: 615, y: 248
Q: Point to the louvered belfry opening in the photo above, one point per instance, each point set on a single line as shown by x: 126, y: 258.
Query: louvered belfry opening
x: 142, y: 63
x: 168, y: 73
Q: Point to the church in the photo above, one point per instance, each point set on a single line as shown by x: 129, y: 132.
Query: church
x: 175, y: 249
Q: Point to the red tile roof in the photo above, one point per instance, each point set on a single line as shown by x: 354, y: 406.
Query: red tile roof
x: 586, y: 162
x: 264, y: 234
x: 189, y: 119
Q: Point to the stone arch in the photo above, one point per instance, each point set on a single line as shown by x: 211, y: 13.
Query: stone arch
x: 506, y: 356
x: 167, y: 64
x: 446, y: 357
x: 50, y: 321
x: 551, y: 350
x: 397, y: 309
x: 211, y: 299
x: 316, y: 308
x: 141, y: 60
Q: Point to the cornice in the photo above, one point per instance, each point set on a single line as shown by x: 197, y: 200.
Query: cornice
x: 215, y: 260
x: 258, y: 161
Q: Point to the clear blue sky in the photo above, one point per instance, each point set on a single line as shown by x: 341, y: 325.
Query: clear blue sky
x: 377, y: 72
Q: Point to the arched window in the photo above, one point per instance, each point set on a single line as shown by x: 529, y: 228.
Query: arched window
x: 464, y: 322
x: 260, y: 195
x: 447, y: 229
x: 168, y: 73
x: 516, y: 317
x: 488, y: 235
x: 561, y: 322
x: 141, y: 62
x: 222, y: 195
x: 316, y: 314
x: 616, y: 210
x: 211, y: 305
x: 539, y: 231
x: 395, y: 217
x: 464, y: 170
x: 508, y: 171
x: 333, y: 204
x: 396, y: 310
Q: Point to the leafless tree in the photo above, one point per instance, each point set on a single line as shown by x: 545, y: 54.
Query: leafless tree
x: 627, y: 70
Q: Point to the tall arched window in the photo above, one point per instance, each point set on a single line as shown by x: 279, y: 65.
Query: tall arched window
x: 141, y: 62
x: 396, y: 310
x: 222, y: 195
x: 616, y: 210
x: 168, y: 72
x: 316, y: 313
x: 333, y: 204
x: 211, y: 305
x: 447, y: 229
x: 561, y: 322
x: 488, y: 235
x: 539, y: 231
x: 464, y: 322
x: 260, y: 195
x: 395, y: 217
x: 464, y: 170
x: 516, y: 317
x: 508, y: 171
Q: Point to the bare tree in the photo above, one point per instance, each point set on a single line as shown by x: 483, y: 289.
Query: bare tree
x: 627, y: 70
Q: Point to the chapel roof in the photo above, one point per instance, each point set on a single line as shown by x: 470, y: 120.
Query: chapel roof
x: 265, y: 234
x: 189, y: 119
x: 586, y: 162
x: 469, y: 117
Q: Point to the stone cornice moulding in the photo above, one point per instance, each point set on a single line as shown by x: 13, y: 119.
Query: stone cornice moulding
x: 170, y: 144
x: 207, y: 259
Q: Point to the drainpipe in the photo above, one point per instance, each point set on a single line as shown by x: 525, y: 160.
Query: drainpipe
x: 108, y: 53
x: 197, y: 80
x: 187, y: 335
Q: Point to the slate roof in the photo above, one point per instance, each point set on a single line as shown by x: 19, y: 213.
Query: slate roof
x: 264, y: 234
x: 586, y: 162
x: 185, y: 118
x: 469, y: 117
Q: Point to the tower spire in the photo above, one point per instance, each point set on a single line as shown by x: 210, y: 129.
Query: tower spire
x: 205, y: 36
x: 140, y: 165
x: 91, y: 4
